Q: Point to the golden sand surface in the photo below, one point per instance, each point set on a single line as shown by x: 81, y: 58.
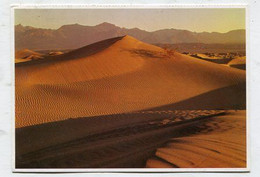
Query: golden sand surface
x: 123, y: 140
x: 218, y: 143
x: 120, y: 75
x: 117, y: 102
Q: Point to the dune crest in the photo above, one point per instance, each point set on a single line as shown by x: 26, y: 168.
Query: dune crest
x: 92, y: 62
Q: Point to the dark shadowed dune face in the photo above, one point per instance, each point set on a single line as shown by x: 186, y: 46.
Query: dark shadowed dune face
x: 78, y: 53
x: 223, y: 98
x: 239, y: 66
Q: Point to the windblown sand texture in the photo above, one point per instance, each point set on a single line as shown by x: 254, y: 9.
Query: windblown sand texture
x: 218, y: 143
x: 124, y: 72
x: 118, y: 85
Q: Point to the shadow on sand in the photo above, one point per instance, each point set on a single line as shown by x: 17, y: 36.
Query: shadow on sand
x: 121, y: 140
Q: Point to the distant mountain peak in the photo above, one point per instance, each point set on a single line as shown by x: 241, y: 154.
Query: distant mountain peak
x: 237, y: 30
x: 71, y: 26
x: 133, y: 28
x: 20, y: 27
x: 106, y: 24
x: 129, y: 38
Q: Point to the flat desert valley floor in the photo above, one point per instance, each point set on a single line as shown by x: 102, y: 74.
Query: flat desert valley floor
x: 124, y: 103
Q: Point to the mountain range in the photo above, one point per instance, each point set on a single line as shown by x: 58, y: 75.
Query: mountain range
x: 76, y: 35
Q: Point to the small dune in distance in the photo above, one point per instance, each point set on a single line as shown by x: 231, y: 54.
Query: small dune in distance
x: 125, y: 103
x: 238, y: 62
x: 235, y: 60
x: 26, y: 55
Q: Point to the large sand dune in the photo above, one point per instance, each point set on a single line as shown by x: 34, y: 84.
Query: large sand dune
x: 114, y: 102
x: 120, y: 75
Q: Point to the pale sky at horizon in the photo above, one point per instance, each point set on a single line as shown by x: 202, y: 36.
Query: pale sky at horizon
x: 198, y: 20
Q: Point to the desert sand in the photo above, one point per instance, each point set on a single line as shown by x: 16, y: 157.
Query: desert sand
x: 122, y: 140
x: 119, y: 93
x: 55, y: 53
x: 239, y: 62
x: 122, y: 71
x: 218, y: 143
x: 26, y: 55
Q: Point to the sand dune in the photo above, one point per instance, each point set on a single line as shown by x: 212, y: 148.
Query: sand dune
x: 55, y: 53
x: 204, y: 56
x: 218, y: 60
x: 26, y: 55
x: 114, y: 102
x: 115, y: 76
x: 218, y: 143
x: 88, y: 63
x: 239, y: 62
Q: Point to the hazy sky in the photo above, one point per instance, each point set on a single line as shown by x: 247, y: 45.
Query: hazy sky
x: 199, y: 20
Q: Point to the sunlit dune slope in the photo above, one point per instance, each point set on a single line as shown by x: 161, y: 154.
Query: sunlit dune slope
x: 96, y: 61
x: 115, y: 76
x: 218, y: 143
